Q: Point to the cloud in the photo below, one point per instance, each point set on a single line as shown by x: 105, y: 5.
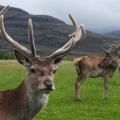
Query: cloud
x: 95, y: 14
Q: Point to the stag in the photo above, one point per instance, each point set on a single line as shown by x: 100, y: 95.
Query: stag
x: 96, y: 66
x: 26, y: 100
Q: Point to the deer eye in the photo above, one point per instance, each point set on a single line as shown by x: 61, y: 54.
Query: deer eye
x: 55, y: 70
x: 32, y: 70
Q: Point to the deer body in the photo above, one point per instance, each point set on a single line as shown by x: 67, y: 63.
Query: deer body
x: 19, y: 106
x: 22, y: 103
x: 89, y: 66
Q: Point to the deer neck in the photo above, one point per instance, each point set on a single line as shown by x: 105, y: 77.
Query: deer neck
x: 34, y: 101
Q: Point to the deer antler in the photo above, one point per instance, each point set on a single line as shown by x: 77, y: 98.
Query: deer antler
x: 112, y: 47
x: 4, y: 10
x: 77, y: 35
x: 31, y: 38
x: 17, y: 46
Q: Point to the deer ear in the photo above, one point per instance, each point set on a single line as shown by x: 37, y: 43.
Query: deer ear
x: 22, y: 59
x: 58, y: 59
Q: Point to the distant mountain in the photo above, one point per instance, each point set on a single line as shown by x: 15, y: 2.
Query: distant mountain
x: 114, y: 34
x: 105, y: 30
x: 50, y: 34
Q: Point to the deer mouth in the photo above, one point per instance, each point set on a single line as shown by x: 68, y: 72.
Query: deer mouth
x: 48, y: 89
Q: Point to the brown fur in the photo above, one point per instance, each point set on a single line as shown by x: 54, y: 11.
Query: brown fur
x: 13, y: 102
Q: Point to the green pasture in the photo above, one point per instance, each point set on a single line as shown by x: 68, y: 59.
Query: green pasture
x: 61, y: 104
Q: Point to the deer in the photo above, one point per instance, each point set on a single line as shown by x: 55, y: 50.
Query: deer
x: 30, y: 97
x: 97, y: 66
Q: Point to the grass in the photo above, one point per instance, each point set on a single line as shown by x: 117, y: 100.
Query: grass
x: 61, y: 105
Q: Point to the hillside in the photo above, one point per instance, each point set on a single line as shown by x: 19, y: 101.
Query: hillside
x: 114, y: 34
x: 50, y: 33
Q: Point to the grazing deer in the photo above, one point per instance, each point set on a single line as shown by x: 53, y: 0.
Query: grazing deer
x: 96, y: 66
x: 25, y: 101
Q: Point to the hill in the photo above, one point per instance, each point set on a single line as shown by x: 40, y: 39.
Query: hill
x: 50, y: 34
x: 114, y: 34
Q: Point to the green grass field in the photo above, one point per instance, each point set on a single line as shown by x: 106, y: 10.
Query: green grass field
x: 61, y: 105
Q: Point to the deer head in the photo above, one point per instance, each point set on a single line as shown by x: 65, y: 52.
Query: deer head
x: 109, y: 60
x: 41, y: 70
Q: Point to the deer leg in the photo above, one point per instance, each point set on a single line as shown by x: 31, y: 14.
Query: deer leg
x: 78, y: 83
x: 105, y: 87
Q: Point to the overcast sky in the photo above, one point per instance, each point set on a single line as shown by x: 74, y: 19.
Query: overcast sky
x: 95, y: 14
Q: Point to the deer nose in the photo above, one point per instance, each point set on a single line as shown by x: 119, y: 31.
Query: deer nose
x: 49, y: 84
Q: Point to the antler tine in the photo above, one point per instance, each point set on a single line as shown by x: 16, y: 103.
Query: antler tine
x: 76, y: 26
x: 11, y: 41
x: 4, y: 10
x: 106, y: 51
x: 119, y: 44
x: 31, y: 38
x: 112, y: 48
x: 109, y: 45
x: 116, y: 45
x: 77, y: 35
x: 74, y: 22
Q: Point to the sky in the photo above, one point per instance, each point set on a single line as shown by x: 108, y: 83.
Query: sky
x: 96, y: 15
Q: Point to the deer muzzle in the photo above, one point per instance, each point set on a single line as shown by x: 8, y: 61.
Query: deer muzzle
x: 49, y: 85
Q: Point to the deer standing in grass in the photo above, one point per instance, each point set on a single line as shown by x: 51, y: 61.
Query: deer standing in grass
x: 25, y: 101
x: 96, y: 66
